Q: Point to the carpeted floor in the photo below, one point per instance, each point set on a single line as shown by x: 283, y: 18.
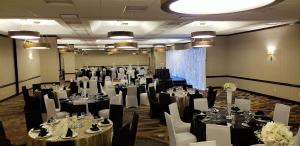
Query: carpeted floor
x: 150, y: 131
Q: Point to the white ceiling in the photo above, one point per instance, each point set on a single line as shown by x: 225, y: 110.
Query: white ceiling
x: 86, y: 22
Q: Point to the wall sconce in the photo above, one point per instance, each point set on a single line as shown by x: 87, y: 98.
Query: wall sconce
x: 270, y: 52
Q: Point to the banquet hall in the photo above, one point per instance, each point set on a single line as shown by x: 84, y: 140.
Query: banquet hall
x: 150, y: 72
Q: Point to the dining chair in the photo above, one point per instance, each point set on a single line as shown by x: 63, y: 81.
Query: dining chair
x: 144, y: 96
x: 4, y: 142
x: 154, y: 104
x: 281, y: 113
x: 93, y: 89
x: 297, y: 138
x: 178, y: 139
x: 131, y: 98
x: 204, y: 143
x: 51, y: 110
x: 180, y: 126
x: 211, y: 97
x: 116, y: 116
x: 201, y: 104
x: 61, y: 94
x: 2, y: 131
x: 133, y: 128
x: 164, y: 101
x: 221, y: 134
x: 121, y: 136
x: 243, y: 104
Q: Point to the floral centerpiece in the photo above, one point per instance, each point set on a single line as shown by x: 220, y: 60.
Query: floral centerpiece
x: 275, y: 134
x: 229, y: 87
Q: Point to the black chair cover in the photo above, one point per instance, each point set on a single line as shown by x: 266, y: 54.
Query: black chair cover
x: 154, y: 105
x: 116, y: 116
x: 164, y: 101
x: 121, y: 137
x: 61, y: 143
x: 133, y: 128
x: 36, y: 87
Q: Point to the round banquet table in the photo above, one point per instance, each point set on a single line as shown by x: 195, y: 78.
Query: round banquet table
x: 102, y: 138
x: 240, y: 134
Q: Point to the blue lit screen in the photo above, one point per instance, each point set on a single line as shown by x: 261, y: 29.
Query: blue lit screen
x: 188, y: 64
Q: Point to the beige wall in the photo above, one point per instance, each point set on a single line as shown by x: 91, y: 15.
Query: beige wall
x: 7, y: 71
x: 28, y: 65
x: 247, y: 57
x: 69, y: 63
x: 160, y: 59
x: 216, y: 61
x: 49, y: 60
x: 95, y: 58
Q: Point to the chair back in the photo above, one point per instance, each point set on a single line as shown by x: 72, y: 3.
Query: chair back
x: 93, y: 84
x: 2, y: 131
x: 174, y: 112
x: 62, y: 94
x: 133, y: 128
x: 132, y: 91
x: 281, y: 113
x: 36, y: 87
x: 243, y: 104
x: 171, y: 130
x: 50, y: 107
x: 204, y: 143
x: 297, y: 138
x: 116, y: 116
x: 211, y: 98
x: 26, y: 97
x: 121, y: 137
x: 201, y: 104
x: 164, y: 101
x: 221, y: 134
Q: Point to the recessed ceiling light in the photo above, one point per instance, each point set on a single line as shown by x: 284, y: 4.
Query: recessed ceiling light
x: 24, y: 35
x: 203, y: 34
x: 120, y: 35
x: 203, y: 7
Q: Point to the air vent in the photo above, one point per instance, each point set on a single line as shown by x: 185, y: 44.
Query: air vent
x: 59, y: 2
x: 139, y: 9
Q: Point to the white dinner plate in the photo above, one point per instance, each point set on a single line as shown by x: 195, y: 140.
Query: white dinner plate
x: 89, y: 131
x: 73, y: 136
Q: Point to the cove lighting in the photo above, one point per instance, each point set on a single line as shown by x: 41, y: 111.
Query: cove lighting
x: 120, y: 35
x: 203, y: 34
x: 24, y: 35
x: 204, y: 7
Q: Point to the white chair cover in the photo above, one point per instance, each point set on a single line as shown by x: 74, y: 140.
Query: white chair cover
x: 61, y: 94
x: 180, y: 126
x: 116, y: 100
x: 50, y: 107
x: 221, y: 134
x: 120, y: 76
x: 93, y: 90
x: 297, y: 138
x: 131, y: 98
x: 178, y: 139
x: 243, y: 104
x: 111, y: 92
x: 144, y: 99
x: 107, y: 78
x: 281, y: 113
x: 204, y: 143
x: 201, y: 104
x: 121, y: 71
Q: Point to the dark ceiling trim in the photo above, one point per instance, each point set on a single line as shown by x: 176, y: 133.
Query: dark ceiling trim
x: 3, y: 35
x: 256, y: 80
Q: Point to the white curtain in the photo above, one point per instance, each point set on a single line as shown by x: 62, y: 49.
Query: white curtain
x: 188, y: 64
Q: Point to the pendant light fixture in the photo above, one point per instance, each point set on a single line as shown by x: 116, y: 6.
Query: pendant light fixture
x: 120, y: 35
x: 126, y: 45
x: 202, y: 43
x: 24, y: 35
x: 204, y: 7
x: 159, y: 47
x: 41, y: 45
x: 203, y: 34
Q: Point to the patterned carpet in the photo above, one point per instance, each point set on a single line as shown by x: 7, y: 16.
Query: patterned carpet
x: 150, y: 131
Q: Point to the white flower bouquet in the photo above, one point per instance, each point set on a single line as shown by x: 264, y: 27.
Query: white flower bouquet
x: 275, y: 134
x: 229, y: 87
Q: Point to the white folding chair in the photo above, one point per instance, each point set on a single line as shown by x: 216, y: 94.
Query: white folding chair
x: 180, y: 126
x: 178, y: 139
x: 93, y: 90
x: 221, y: 134
x: 281, y: 113
x: 201, y: 104
x: 204, y: 143
x: 243, y: 104
x: 131, y: 98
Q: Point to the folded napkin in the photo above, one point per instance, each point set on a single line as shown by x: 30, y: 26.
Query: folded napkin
x: 173, y: 94
x: 222, y: 123
x: 69, y: 133
x: 94, y: 127
x: 43, y: 132
x: 105, y: 121
x: 260, y: 113
x: 39, y: 127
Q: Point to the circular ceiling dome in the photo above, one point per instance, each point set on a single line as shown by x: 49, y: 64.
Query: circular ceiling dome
x: 205, y: 7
